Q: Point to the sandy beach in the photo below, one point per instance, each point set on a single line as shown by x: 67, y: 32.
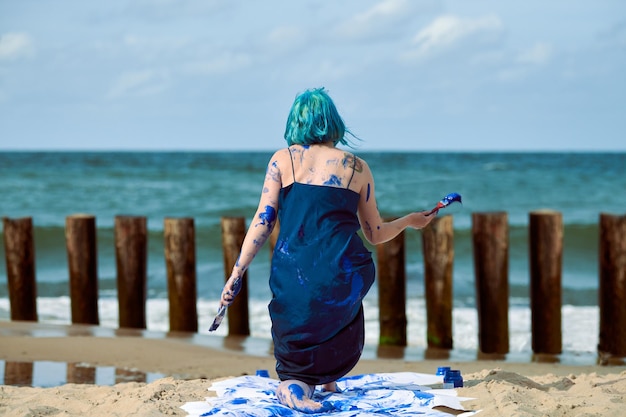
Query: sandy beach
x: 190, y: 362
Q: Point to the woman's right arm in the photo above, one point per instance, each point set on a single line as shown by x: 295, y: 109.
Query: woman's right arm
x: 375, y: 229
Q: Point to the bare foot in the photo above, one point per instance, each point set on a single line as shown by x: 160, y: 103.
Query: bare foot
x: 330, y: 387
x: 297, y: 396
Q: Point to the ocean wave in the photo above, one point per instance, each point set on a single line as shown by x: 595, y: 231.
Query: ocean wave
x: 580, y: 324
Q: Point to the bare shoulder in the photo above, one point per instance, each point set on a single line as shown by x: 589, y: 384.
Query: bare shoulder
x: 362, y: 175
x: 351, y: 160
x: 280, y: 157
x: 360, y: 165
x: 281, y: 153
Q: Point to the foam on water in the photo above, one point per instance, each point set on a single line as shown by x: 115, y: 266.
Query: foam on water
x: 580, y: 324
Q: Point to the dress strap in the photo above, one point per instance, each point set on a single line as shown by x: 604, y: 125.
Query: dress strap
x: 293, y: 170
x: 353, y: 169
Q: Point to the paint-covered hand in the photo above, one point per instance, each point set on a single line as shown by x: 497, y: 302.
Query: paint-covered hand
x: 230, y: 291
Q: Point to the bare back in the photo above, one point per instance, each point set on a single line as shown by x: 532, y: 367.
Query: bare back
x: 322, y: 165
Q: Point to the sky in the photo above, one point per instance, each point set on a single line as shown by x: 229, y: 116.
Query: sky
x: 414, y: 75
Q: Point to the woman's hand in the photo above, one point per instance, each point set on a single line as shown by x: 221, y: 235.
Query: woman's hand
x: 420, y: 219
x: 231, y: 289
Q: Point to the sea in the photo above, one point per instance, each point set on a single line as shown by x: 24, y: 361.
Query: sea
x: 49, y: 186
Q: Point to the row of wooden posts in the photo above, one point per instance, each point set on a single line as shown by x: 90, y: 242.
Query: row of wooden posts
x: 21, y: 374
x: 490, y: 251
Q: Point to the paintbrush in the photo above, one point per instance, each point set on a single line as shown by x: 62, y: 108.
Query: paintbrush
x: 446, y: 201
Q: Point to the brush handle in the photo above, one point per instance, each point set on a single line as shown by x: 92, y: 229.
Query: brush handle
x: 435, y: 210
x: 218, y: 318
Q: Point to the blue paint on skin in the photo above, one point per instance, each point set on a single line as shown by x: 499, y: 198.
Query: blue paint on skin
x: 273, y: 172
x: 333, y: 180
x: 268, y: 216
x: 297, y: 391
x: 237, y: 286
x: 260, y: 242
x: 349, y: 161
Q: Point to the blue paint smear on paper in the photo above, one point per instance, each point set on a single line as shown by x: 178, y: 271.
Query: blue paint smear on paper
x: 388, y: 394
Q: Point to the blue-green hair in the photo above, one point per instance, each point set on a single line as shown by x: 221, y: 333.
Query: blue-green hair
x: 313, y: 118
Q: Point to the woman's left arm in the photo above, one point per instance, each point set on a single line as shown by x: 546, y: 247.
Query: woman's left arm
x: 375, y: 229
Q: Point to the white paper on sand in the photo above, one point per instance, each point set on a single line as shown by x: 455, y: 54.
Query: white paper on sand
x: 390, y: 394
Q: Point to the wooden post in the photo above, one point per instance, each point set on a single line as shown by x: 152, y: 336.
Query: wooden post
x: 490, y: 237
x: 19, y: 251
x: 180, y: 260
x: 392, y: 291
x: 438, y: 247
x: 131, y: 260
x: 546, y: 259
x: 129, y: 375
x: 233, y: 233
x: 18, y: 373
x: 78, y: 373
x: 612, y: 286
x: 80, y: 239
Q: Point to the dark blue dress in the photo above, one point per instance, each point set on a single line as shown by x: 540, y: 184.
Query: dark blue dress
x: 321, y: 270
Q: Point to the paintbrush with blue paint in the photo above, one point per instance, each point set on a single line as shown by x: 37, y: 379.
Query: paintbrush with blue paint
x: 446, y: 201
x: 221, y: 312
x: 218, y: 318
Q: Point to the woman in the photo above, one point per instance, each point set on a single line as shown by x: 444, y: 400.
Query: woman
x: 321, y: 269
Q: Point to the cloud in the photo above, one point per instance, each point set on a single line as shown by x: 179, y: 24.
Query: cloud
x: 446, y: 32
x: 15, y: 45
x: 378, y: 20
x: 139, y: 83
x: 538, y: 54
x: 526, y: 62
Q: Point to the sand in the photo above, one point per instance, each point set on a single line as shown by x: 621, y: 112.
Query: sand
x: 190, y: 363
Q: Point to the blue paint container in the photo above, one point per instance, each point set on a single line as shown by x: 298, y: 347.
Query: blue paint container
x: 442, y: 370
x: 453, y: 379
x: 263, y: 373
